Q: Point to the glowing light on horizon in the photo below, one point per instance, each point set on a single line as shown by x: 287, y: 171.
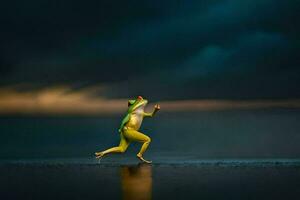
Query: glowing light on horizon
x: 63, y: 100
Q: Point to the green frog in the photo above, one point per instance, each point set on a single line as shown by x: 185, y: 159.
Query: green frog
x: 129, y: 128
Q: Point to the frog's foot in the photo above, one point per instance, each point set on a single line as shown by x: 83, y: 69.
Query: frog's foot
x: 142, y: 159
x: 99, y: 154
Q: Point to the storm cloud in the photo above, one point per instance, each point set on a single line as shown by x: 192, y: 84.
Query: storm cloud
x: 165, y: 50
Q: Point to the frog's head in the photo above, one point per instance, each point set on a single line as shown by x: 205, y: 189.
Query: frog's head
x: 139, y: 102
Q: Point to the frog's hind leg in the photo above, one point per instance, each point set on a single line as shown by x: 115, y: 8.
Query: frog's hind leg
x: 134, y: 135
x: 119, y: 149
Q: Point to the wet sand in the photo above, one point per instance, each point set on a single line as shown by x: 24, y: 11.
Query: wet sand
x: 189, y: 179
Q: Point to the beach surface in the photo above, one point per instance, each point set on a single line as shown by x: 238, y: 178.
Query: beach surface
x: 124, y: 178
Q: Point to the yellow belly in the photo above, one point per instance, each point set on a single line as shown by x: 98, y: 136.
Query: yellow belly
x: 135, y: 121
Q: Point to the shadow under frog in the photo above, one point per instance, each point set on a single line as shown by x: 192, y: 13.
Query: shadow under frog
x: 136, y: 182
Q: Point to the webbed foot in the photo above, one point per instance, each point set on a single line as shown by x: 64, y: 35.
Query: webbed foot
x: 142, y: 159
x: 99, y: 154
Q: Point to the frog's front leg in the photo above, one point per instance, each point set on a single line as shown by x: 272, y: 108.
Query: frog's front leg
x: 156, y: 108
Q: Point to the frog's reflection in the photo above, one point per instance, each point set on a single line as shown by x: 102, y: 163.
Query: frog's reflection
x: 136, y: 182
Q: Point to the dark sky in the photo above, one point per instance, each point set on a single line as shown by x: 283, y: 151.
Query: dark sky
x: 163, y: 49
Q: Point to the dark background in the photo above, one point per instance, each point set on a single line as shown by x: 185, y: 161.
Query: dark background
x: 161, y: 49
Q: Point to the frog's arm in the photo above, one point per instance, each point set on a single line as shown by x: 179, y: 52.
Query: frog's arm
x: 124, y: 121
x: 150, y: 114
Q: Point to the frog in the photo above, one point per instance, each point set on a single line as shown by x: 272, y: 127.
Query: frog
x: 129, y: 129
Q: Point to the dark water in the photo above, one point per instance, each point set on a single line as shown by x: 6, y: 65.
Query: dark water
x: 193, y: 179
x: 228, y: 134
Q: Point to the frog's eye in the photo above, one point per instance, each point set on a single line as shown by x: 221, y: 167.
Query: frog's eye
x: 140, y: 97
x: 130, y: 102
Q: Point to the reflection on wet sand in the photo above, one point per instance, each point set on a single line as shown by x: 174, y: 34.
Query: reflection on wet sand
x: 136, y: 182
